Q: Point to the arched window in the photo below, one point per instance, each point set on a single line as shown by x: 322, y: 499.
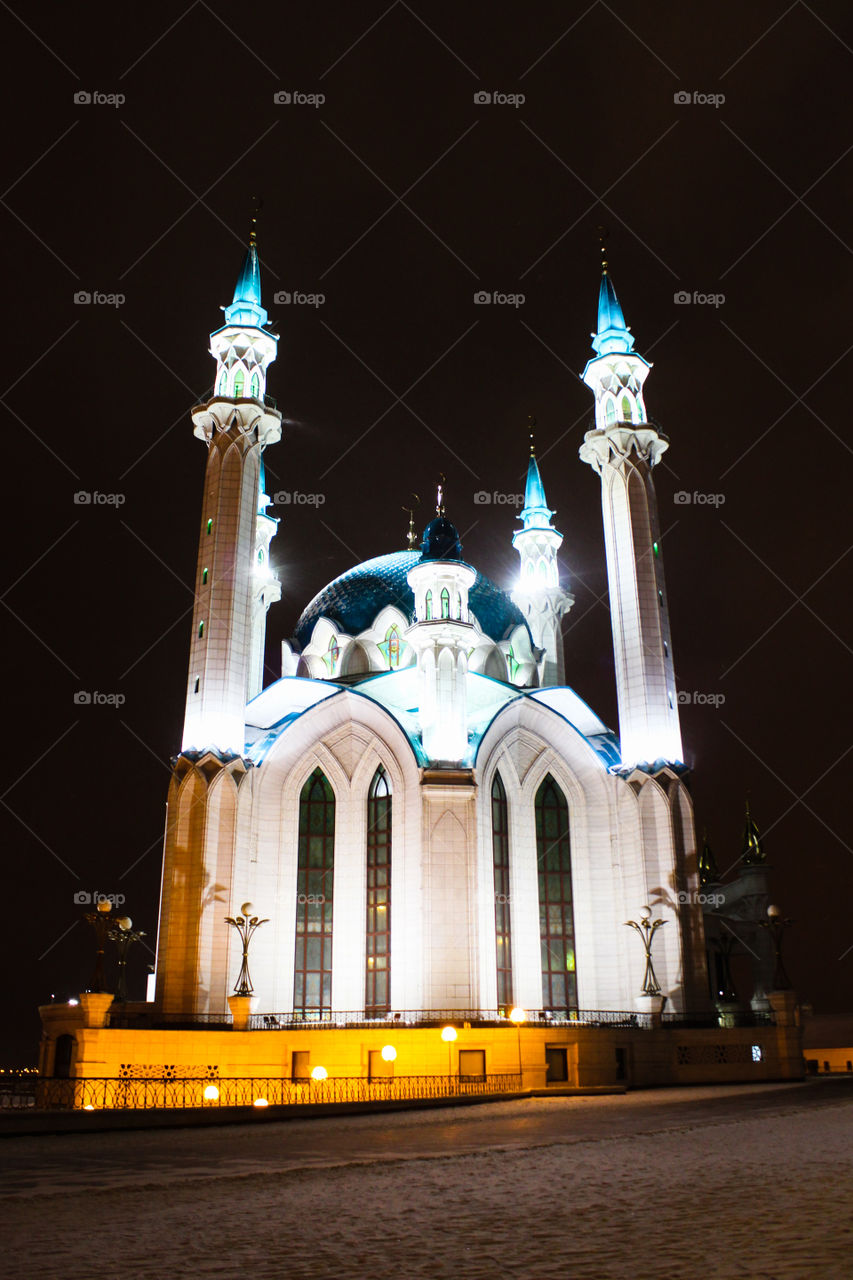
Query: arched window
x: 390, y: 647
x: 63, y: 1056
x: 238, y: 384
x: 500, y: 856
x: 256, y: 386
x: 204, y: 574
x: 556, y: 915
x: 626, y: 409
x: 609, y: 411
x: 445, y: 603
x: 312, y: 978
x: 377, y: 958
x: 428, y: 606
x: 223, y: 382
x: 332, y: 654
x: 459, y: 606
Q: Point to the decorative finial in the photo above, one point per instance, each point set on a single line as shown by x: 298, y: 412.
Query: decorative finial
x: 602, y: 236
x: 439, y: 499
x: 411, y: 536
x: 531, y: 423
x: 253, y: 231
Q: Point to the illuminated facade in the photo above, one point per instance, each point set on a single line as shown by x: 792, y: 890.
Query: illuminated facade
x: 432, y: 823
x: 419, y: 699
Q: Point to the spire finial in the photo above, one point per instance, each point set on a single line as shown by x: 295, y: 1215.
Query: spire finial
x: 411, y: 536
x: 253, y: 230
x: 602, y: 237
x: 440, y: 494
x: 531, y: 423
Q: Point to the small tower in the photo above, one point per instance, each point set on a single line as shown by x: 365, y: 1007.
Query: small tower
x: 539, y: 595
x: 442, y: 637
x: 234, y: 585
x: 753, y: 854
x: 623, y: 447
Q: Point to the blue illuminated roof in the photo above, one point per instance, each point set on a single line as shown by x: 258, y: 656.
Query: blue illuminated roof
x: 536, y: 513
x: 246, y: 304
x: 613, y: 334
x: 353, y: 600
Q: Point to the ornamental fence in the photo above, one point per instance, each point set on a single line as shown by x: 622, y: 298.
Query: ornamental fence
x: 206, y: 1092
x: 334, y: 1020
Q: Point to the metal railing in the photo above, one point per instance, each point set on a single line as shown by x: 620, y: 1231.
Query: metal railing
x: 334, y: 1020
x: 148, y: 1094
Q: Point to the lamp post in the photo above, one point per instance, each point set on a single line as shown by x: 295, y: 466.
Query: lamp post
x: 245, y: 924
x: 518, y: 1016
x: 124, y: 936
x: 647, y: 928
x: 448, y: 1035
x: 100, y: 921
x: 776, y: 924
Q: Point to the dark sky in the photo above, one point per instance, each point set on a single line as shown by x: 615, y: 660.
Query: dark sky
x: 398, y: 198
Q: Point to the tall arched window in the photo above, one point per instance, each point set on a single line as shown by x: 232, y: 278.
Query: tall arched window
x: 503, y: 928
x: 312, y: 979
x: 428, y: 606
x: 459, y: 606
x: 626, y: 409
x: 256, y: 386
x: 223, y: 382
x: 445, y: 603
x: 556, y: 916
x: 238, y: 384
x: 377, y: 958
x: 609, y: 411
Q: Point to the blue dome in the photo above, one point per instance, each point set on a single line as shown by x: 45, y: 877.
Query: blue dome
x: 441, y: 541
x: 354, y: 599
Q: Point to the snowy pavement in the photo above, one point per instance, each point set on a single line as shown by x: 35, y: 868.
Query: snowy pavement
x: 707, y: 1183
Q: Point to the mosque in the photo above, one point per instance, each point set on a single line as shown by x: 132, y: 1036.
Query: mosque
x: 435, y: 830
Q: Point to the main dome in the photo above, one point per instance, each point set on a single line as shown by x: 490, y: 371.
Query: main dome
x: 354, y: 599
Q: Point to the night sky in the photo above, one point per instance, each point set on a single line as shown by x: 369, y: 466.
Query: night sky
x: 398, y: 198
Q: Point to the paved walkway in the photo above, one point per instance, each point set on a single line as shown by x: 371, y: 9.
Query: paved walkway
x: 752, y: 1181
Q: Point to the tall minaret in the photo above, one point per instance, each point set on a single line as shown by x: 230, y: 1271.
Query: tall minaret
x: 539, y: 595
x: 623, y: 448
x: 236, y: 425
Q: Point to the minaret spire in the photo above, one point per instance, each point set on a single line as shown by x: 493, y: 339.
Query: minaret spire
x: 623, y: 448
x: 539, y: 595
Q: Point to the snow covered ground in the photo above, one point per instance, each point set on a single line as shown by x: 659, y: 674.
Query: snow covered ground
x: 712, y: 1183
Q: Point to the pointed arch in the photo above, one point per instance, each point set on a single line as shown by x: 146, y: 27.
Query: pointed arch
x: 500, y: 862
x: 445, y: 603
x: 556, y: 911
x: 627, y: 411
x: 239, y: 382
x: 312, y: 977
x: 428, y: 607
x: 377, y: 958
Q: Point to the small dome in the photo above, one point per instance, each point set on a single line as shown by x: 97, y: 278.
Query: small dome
x: 441, y: 541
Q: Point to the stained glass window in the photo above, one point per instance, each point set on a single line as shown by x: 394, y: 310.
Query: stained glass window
x: 377, y: 983
x: 390, y: 647
x: 500, y: 855
x: 626, y: 409
x: 238, y: 384
x: 445, y: 603
x: 428, y: 606
x: 556, y: 914
x: 256, y: 386
x: 312, y: 978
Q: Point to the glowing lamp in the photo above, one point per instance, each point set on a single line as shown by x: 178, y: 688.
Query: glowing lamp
x: 448, y: 1034
x: 260, y: 1102
x: 211, y: 1093
x: 104, y: 905
x: 517, y: 1015
x: 88, y: 1107
x: 389, y: 1053
x: 319, y: 1073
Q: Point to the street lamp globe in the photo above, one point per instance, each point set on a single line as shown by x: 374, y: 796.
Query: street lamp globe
x: 448, y: 1034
